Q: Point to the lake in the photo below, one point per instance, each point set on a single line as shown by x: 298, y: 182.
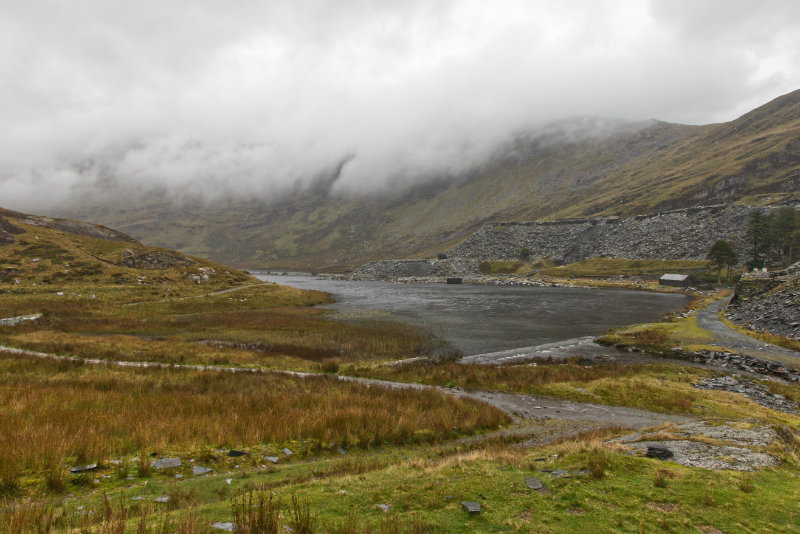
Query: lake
x: 486, y: 318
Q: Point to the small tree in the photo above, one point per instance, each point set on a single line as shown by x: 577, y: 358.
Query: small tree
x: 757, y: 228
x: 720, y: 255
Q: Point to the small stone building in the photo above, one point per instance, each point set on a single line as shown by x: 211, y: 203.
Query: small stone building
x: 675, y: 280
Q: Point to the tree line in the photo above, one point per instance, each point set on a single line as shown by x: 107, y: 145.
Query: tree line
x: 772, y: 240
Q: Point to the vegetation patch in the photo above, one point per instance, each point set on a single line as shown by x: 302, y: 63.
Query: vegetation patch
x: 605, y: 267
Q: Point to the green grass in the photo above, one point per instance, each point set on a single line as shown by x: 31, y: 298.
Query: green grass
x: 605, y: 267
x: 425, y: 489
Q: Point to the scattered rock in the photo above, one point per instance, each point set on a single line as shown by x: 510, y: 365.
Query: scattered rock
x: 200, y: 470
x: 751, y: 390
x: 83, y: 468
x: 273, y: 459
x: 533, y: 483
x: 473, y: 508
x: 154, y: 260
x: 559, y: 473
x: 342, y: 451
x: 163, y: 499
x: 233, y: 453
x: 230, y: 527
x: 166, y: 463
x: 384, y: 507
x: 287, y: 452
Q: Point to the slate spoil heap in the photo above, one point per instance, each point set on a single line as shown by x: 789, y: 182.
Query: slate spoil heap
x: 769, y: 302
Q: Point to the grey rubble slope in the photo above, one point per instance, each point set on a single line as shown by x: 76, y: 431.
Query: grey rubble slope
x: 558, y: 172
x: 677, y: 234
x: 769, y: 302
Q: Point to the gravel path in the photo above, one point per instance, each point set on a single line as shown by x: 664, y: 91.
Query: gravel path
x: 708, y: 319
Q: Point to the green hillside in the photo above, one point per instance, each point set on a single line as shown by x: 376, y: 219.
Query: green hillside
x: 641, y: 168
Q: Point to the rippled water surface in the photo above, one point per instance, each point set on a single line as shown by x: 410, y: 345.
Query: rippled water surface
x: 480, y: 318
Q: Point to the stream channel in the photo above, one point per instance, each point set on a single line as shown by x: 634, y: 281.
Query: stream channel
x: 485, y: 318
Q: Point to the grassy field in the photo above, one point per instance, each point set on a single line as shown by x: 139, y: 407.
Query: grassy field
x: 605, y: 267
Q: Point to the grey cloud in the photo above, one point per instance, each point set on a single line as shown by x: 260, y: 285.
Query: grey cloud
x: 252, y: 98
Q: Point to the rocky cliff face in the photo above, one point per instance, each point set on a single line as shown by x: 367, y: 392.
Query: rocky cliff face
x: 769, y: 302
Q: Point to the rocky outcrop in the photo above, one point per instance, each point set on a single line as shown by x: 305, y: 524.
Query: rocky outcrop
x: 678, y: 234
x: 154, y: 260
x: 7, y: 232
x: 769, y: 302
x: 407, y: 269
x: 69, y: 226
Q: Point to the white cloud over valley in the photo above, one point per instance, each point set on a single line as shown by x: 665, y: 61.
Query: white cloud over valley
x: 250, y: 98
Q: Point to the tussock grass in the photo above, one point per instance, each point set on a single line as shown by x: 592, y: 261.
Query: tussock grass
x: 56, y: 412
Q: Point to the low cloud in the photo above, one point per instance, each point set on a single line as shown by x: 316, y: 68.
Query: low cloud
x: 205, y: 99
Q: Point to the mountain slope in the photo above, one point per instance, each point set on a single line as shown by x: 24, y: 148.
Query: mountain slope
x: 580, y: 167
x: 40, y: 251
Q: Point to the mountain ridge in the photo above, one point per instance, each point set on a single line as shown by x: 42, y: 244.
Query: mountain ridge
x: 638, y: 168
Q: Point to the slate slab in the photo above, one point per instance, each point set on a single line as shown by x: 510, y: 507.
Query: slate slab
x: 200, y: 470
x: 473, y: 508
x: 83, y: 468
x: 662, y: 453
x: 227, y: 525
x: 533, y: 483
x: 384, y: 507
x: 166, y: 463
x: 287, y: 452
x: 559, y: 473
x: 273, y: 459
x: 234, y: 453
x: 162, y: 499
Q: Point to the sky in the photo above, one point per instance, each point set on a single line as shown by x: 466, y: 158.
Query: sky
x: 248, y: 99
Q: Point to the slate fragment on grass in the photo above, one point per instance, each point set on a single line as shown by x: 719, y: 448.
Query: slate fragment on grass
x: 200, y: 470
x: 234, y: 453
x: 166, y: 463
x: 83, y: 468
x: 162, y: 499
x: 473, y: 508
x: 227, y: 525
x: 273, y: 459
x: 533, y: 483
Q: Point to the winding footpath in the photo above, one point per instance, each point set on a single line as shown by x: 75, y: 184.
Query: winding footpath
x: 708, y: 319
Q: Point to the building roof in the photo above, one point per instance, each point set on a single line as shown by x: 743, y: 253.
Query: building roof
x: 675, y: 277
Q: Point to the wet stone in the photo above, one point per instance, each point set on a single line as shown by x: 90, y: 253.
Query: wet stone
x: 533, y: 483
x: 200, y: 470
x: 473, y: 508
x: 662, y: 453
x: 83, y: 468
x: 559, y: 473
x: 166, y: 463
x: 233, y: 453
